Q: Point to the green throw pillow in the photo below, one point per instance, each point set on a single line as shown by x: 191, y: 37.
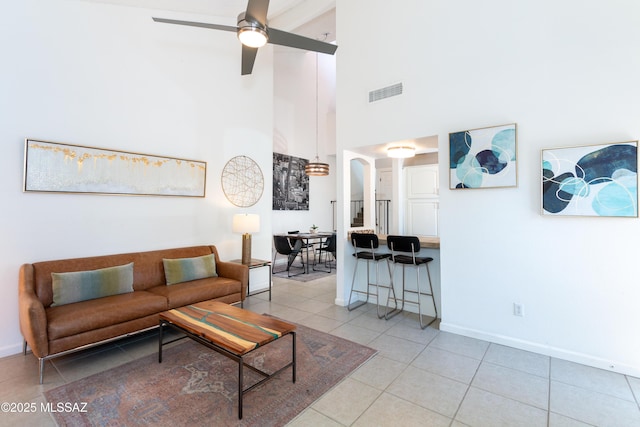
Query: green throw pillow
x: 85, y: 285
x: 187, y: 269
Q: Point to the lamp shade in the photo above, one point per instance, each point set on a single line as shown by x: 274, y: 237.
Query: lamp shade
x: 401, y: 152
x: 246, y: 223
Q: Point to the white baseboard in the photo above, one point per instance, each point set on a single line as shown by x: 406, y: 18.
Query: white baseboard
x: 556, y: 352
x: 10, y: 350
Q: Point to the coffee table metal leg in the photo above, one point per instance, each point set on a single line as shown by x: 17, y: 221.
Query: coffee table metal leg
x: 240, y: 387
x: 293, y: 356
x: 160, y: 341
x: 236, y: 357
x: 270, y: 280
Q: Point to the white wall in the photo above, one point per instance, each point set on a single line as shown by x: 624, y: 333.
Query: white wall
x: 295, y: 130
x: 357, y: 184
x: 566, y: 73
x: 108, y: 76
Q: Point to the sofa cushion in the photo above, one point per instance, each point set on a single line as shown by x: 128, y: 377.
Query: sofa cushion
x: 188, y: 269
x: 186, y: 293
x: 71, y: 319
x: 85, y: 285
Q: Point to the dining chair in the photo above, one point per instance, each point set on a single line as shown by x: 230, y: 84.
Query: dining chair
x: 328, y: 247
x: 404, y: 252
x: 283, y: 247
x: 306, y: 245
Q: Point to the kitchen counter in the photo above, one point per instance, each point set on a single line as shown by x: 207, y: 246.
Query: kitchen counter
x: 427, y: 242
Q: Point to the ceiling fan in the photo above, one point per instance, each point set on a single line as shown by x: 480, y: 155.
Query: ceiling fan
x: 253, y: 32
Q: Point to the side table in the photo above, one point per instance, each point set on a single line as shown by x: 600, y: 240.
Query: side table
x: 256, y: 263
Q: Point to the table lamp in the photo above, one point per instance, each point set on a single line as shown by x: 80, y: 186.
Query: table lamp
x: 246, y: 224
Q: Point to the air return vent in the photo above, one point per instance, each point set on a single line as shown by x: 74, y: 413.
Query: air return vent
x: 385, y: 92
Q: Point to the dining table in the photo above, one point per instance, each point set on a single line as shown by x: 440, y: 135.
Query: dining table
x: 307, y: 241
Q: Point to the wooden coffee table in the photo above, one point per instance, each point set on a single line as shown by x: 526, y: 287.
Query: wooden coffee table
x: 231, y: 331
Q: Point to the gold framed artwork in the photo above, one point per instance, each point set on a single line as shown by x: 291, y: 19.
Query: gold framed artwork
x: 53, y: 167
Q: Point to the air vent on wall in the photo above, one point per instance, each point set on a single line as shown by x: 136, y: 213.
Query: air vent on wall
x: 385, y: 92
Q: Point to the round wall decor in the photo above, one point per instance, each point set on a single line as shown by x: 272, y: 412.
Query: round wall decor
x: 242, y: 181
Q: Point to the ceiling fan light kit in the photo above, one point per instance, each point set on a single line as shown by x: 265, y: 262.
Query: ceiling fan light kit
x: 253, y: 32
x: 401, y: 152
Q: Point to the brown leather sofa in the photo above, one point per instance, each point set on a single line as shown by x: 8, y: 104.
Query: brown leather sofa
x: 54, y: 331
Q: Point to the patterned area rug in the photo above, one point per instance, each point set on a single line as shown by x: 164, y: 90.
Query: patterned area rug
x: 197, y: 386
x: 304, y: 277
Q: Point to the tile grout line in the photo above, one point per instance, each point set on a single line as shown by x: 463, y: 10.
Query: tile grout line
x: 470, y: 382
x: 408, y: 365
x: 637, y: 398
x: 374, y: 401
x: 549, y: 395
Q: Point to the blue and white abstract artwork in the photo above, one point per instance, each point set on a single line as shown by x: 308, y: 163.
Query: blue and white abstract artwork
x: 483, y: 158
x: 596, y: 180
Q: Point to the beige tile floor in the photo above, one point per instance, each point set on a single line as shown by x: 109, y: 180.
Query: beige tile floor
x: 419, y: 377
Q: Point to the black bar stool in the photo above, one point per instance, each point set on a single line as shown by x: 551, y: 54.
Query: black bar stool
x: 364, y: 249
x: 401, y: 247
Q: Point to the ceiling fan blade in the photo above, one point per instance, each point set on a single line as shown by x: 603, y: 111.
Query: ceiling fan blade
x: 257, y: 9
x: 248, y: 58
x: 198, y: 24
x: 283, y: 38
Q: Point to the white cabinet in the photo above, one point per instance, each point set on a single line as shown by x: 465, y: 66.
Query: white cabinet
x: 422, y: 200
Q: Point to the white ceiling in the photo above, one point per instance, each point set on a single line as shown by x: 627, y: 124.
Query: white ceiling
x: 229, y: 8
x: 428, y: 144
x: 310, y: 18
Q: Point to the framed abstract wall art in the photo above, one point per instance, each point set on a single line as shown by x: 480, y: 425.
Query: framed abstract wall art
x: 53, y: 167
x: 242, y: 181
x: 594, y: 180
x: 290, y: 183
x: 483, y: 158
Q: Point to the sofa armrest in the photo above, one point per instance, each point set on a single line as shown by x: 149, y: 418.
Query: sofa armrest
x: 33, y: 319
x: 232, y: 270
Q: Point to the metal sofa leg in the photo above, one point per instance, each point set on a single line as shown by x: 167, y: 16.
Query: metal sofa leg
x: 41, y: 368
x: 40, y: 361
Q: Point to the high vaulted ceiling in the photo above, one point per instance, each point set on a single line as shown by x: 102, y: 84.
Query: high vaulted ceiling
x: 310, y: 18
x: 229, y: 8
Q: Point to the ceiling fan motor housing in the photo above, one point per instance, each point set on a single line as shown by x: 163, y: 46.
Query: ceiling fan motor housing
x: 251, y: 32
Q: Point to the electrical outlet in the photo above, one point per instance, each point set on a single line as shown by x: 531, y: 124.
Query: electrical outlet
x: 518, y: 309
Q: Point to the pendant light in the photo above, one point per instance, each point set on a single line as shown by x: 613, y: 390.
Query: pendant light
x: 317, y: 168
